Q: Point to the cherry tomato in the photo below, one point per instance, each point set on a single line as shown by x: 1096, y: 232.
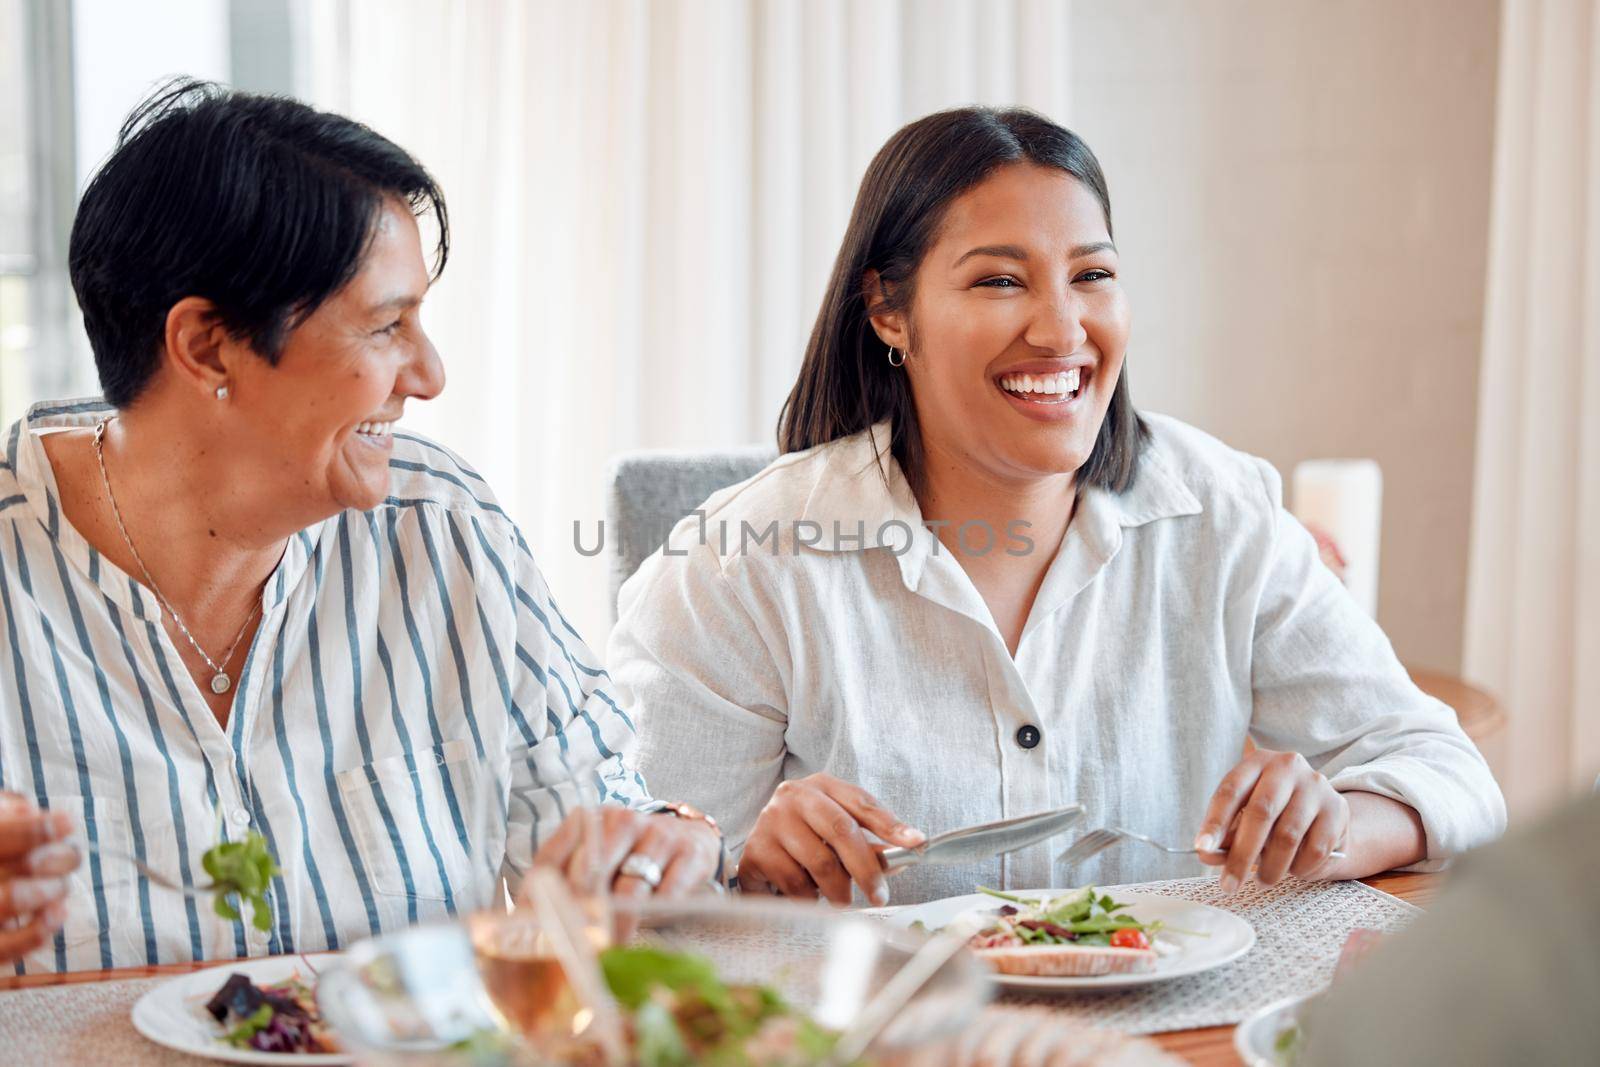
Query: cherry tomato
x: 1129, y: 939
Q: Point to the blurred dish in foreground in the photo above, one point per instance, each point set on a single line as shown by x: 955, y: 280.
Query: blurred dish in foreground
x: 1007, y: 1036
x: 760, y: 982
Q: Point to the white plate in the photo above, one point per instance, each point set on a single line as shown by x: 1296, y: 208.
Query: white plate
x: 1230, y: 936
x: 174, y: 1013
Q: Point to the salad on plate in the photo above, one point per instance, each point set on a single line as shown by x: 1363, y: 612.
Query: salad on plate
x: 275, y: 1017
x: 1081, y: 933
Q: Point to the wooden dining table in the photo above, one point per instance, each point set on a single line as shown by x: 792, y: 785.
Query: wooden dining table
x: 1208, y: 1047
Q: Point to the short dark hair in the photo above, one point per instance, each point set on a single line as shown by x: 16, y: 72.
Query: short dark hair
x: 846, y: 384
x: 260, y: 204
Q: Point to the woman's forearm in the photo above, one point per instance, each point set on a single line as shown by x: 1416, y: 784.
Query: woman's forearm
x: 1384, y: 834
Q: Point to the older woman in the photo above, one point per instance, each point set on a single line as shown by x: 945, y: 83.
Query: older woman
x: 993, y: 588
x: 234, y: 597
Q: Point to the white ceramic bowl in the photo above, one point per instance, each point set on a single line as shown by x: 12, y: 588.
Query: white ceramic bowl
x: 1256, y: 1039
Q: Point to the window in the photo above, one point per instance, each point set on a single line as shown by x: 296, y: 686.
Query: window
x: 18, y: 263
x: 70, y: 71
x: 43, y: 350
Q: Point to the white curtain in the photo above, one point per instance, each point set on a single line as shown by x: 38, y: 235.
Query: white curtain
x: 646, y: 198
x: 1533, y: 612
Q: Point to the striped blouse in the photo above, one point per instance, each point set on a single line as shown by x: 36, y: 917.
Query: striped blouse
x: 408, y: 657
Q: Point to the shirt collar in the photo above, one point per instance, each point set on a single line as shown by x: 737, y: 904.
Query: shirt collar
x: 1096, y: 532
x: 861, y: 500
x: 36, y: 479
x: 862, y: 491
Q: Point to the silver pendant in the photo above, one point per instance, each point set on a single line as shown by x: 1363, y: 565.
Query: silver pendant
x: 220, y: 683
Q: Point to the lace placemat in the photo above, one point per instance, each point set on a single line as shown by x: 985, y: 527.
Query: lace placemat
x: 83, y: 1025
x: 1300, y: 928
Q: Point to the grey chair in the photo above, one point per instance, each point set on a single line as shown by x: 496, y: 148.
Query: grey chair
x: 648, y: 492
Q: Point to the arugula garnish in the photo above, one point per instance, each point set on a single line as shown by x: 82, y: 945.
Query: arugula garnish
x: 1091, y: 919
x: 242, y: 869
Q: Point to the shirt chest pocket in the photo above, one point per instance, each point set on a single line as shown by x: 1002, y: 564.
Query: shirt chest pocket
x: 101, y: 892
x: 410, y: 816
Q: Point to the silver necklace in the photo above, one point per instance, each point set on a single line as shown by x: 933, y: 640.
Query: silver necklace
x: 220, y: 681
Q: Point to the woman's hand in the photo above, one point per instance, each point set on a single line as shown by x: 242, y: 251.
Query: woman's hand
x: 635, y: 853
x: 34, y: 862
x: 1289, y: 817
x: 809, y: 838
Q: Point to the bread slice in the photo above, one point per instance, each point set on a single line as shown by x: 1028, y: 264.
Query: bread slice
x: 1068, y: 961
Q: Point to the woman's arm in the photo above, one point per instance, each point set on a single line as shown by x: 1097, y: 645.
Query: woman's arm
x: 1326, y: 684
x: 706, y: 688
x: 706, y: 673
x: 1384, y: 834
x: 568, y: 742
x: 1274, y: 809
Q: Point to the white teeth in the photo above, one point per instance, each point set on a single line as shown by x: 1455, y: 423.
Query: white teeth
x: 374, y: 429
x: 1059, y: 384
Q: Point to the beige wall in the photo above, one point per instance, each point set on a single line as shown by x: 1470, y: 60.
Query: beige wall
x: 1301, y: 191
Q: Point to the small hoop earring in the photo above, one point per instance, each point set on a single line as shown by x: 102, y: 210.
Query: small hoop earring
x: 893, y: 352
x: 222, y: 392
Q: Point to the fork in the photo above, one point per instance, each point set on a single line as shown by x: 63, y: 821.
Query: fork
x: 153, y: 875
x: 1097, y: 841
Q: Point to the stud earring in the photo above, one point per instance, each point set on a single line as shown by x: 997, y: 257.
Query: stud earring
x: 222, y: 392
x: 893, y: 352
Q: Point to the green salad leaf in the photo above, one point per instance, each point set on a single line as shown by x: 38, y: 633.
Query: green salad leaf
x: 683, y: 1014
x: 260, y: 1019
x: 1287, y: 1045
x: 633, y: 973
x: 242, y: 869
x: 1091, y: 918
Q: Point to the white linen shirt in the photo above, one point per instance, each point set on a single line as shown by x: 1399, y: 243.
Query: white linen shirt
x: 1176, y: 619
x: 407, y: 656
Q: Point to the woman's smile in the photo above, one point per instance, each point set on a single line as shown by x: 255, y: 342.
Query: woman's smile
x: 1047, y: 391
x: 375, y: 434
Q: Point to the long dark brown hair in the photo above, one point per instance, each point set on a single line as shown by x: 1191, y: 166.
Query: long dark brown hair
x: 846, y: 383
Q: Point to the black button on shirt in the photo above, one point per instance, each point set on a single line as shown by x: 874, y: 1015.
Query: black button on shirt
x: 1028, y: 736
